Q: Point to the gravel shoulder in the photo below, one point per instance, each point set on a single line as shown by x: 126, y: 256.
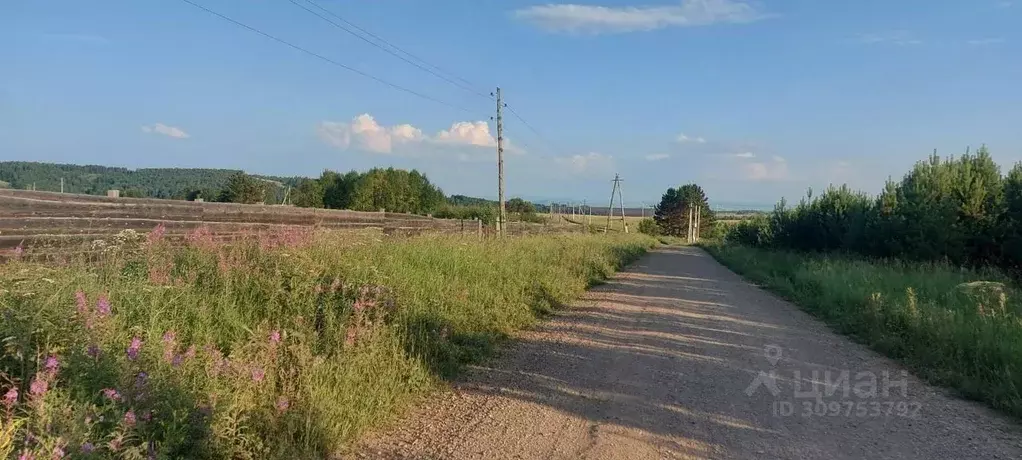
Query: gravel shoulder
x: 678, y: 357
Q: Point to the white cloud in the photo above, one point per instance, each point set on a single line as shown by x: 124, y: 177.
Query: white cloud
x: 745, y: 155
x: 765, y: 171
x: 468, y: 133
x: 591, y: 163
x: 657, y: 157
x: 985, y: 41
x: 684, y: 138
x: 365, y: 133
x: 169, y: 131
x: 575, y: 18
x: 897, y: 37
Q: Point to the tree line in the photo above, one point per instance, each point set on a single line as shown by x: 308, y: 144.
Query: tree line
x: 957, y: 210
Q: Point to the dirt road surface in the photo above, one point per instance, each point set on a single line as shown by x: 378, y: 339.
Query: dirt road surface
x: 673, y: 359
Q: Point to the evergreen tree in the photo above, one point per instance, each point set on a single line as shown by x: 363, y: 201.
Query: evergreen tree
x: 671, y: 215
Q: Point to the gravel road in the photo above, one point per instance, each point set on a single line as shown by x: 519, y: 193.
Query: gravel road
x: 677, y: 357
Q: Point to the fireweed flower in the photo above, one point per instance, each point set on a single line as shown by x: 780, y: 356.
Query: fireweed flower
x: 190, y: 352
x: 157, y: 233
x: 25, y: 455
x: 282, y: 403
x: 39, y: 386
x: 58, y: 452
x: 274, y: 337
x: 52, y: 364
x: 129, y: 418
x: 103, y: 305
x: 169, y: 343
x: 176, y: 360
x: 81, y: 302
x: 111, y: 394
x: 136, y: 345
x: 10, y: 397
x: 258, y: 374
x: 88, y: 448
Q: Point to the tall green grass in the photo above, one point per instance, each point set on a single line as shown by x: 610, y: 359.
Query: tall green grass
x: 966, y: 337
x: 286, y: 349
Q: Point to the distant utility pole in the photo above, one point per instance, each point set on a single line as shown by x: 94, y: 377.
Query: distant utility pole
x: 688, y: 236
x: 610, y: 209
x: 500, y: 162
x: 61, y: 185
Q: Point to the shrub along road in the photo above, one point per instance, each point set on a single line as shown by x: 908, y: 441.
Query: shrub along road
x: 678, y: 357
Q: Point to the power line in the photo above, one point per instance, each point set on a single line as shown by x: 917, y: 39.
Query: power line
x: 436, y: 73
x: 531, y: 128
x: 326, y: 59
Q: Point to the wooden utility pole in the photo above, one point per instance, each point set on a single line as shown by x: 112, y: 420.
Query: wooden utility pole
x: 699, y: 210
x: 501, y: 218
x: 689, y: 233
x: 610, y: 209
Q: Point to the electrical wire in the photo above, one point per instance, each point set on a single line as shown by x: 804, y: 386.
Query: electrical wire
x: 535, y: 131
x: 422, y: 66
x: 326, y: 59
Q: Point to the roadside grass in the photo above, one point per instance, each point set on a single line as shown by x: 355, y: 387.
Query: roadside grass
x: 287, y: 346
x: 966, y: 337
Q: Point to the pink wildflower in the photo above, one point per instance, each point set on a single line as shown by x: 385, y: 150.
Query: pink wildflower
x: 82, y: 302
x: 190, y: 352
x: 133, y: 349
x: 129, y: 418
x: 274, y: 337
x: 39, y: 386
x: 111, y: 394
x: 52, y: 364
x: 282, y: 403
x: 58, y: 452
x: 88, y: 448
x: 18, y: 252
x: 258, y: 374
x: 103, y: 305
x: 25, y: 455
x: 156, y: 235
x: 169, y: 343
x: 11, y: 397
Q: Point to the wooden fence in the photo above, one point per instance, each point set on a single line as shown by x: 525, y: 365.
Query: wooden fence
x: 31, y: 217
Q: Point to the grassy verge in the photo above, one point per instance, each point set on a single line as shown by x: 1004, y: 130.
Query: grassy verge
x: 966, y: 337
x: 289, y: 346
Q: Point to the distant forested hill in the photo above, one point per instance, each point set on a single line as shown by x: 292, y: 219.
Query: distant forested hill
x: 168, y: 183
x: 391, y: 189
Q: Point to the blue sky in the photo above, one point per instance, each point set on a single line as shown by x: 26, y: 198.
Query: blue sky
x: 751, y: 99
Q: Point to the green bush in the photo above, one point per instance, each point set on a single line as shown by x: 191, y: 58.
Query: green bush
x: 957, y: 209
x: 649, y: 227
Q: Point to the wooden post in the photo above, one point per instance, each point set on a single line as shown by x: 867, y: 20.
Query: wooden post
x: 479, y: 227
x: 688, y: 236
x: 699, y: 210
